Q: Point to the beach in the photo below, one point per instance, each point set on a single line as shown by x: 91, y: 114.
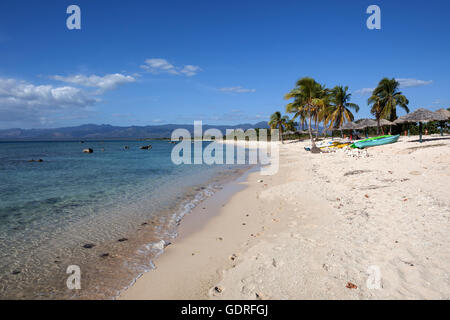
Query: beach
x: 366, y: 225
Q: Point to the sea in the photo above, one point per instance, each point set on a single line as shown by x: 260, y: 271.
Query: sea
x: 102, y: 217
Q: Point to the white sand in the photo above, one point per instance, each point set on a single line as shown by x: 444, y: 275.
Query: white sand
x: 309, y: 230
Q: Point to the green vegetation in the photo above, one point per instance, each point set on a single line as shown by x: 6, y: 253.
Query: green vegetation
x: 385, y: 99
x: 313, y: 103
x: 277, y: 121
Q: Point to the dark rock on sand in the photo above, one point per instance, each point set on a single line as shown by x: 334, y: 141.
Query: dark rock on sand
x: 15, y: 272
x: 89, y: 246
x: 351, y: 173
x: 104, y: 255
x: 122, y: 239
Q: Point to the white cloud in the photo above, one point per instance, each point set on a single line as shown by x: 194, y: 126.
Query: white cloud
x: 158, y: 65
x: 20, y: 93
x: 26, y: 102
x: 236, y: 90
x: 107, y: 82
x: 190, y: 70
x: 364, y: 91
x: 408, y: 82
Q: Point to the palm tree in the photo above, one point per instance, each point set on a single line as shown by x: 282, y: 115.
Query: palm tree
x: 299, y: 112
x: 377, y: 111
x: 388, y: 97
x: 322, y: 111
x: 280, y: 122
x: 339, y: 112
x: 308, y: 99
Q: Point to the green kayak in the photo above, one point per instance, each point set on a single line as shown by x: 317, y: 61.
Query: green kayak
x: 375, y: 141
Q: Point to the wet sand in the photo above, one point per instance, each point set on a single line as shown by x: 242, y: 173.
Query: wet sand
x: 328, y: 226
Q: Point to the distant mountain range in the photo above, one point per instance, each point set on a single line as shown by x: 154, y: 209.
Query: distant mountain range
x: 109, y: 132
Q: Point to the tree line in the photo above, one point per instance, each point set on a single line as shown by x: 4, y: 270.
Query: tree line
x: 313, y: 103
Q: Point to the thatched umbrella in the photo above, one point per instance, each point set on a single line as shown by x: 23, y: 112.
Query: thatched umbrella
x: 366, y: 123
x: 384, y: 122
x: 445, y: 113
x: 348, y: 126
x: 421, y: 116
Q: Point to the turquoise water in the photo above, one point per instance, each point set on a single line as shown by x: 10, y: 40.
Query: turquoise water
x: 50, y: 209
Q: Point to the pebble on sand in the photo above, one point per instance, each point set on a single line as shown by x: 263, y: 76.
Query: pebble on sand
x: 351, y: 286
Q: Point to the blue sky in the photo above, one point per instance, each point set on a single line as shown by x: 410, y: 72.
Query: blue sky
x: 223, y: 62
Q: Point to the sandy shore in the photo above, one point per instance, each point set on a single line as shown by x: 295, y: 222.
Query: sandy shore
x: 326, y: 226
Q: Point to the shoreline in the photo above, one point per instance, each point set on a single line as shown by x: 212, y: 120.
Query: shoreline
x: 193, y: 224
x: 196, y: 218
x: 113, y: 246
x: 316, y: 228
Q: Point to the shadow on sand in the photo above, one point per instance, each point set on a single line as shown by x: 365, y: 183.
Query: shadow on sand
x: 431, y: 139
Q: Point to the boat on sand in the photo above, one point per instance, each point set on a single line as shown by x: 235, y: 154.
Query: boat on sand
x: 376, y: 141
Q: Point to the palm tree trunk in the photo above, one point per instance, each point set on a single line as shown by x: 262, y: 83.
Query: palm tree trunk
x: 314, y: 148
x: 378, y: 124
x: 316, y: 128
x: 281, y: 134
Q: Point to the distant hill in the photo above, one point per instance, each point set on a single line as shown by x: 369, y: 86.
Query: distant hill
x: 108, y: 132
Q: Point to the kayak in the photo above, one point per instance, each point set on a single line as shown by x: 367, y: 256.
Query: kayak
x: 370, y: 139
x: 376, y: 141
x: 375, y: 138
x: 329, y: 145
x: 338, y: 145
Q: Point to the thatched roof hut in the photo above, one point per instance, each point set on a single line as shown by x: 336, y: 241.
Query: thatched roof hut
x: 365, y: 123
x: 384, y: 122
x: 444, y: 112
x: 348, y: 126
x: 422, y: 116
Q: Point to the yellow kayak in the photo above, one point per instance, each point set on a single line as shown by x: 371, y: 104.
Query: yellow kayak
x: 338, y: 145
